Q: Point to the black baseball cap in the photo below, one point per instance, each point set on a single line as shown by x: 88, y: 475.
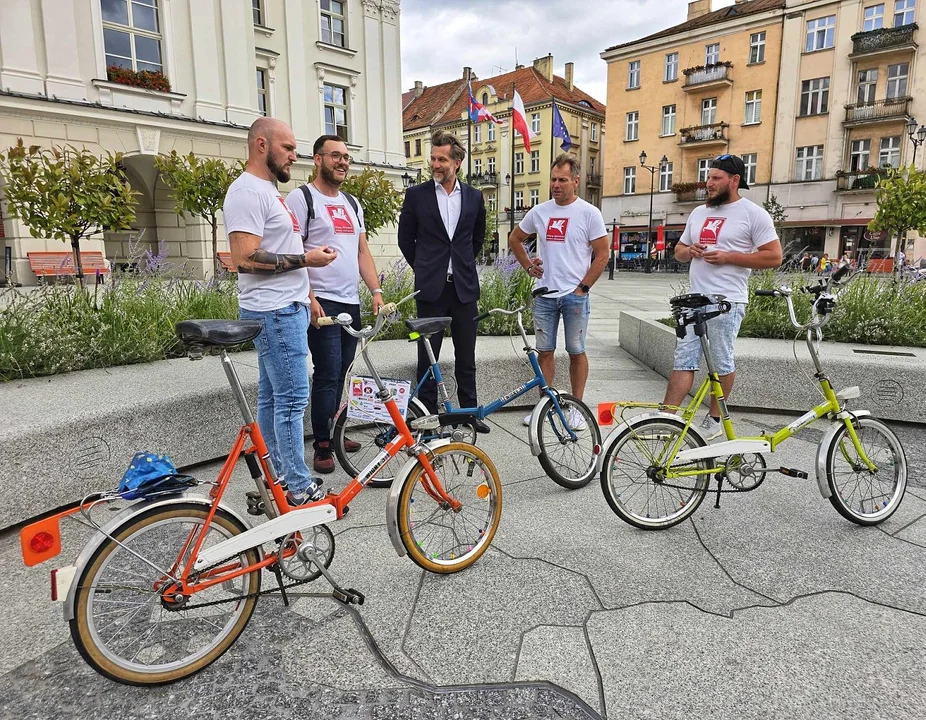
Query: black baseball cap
x: 734, y: 165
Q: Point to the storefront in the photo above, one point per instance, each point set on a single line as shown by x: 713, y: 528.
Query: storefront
x: 809, y: 239
x: 864, y: 244
x: 632, y: 245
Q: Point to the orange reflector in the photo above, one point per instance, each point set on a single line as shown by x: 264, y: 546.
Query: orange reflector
x: 605, y: 413
x: 41, y: 541
x: 482, y: 491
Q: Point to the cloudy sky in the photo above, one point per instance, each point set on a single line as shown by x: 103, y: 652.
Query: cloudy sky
x: 440, y: 37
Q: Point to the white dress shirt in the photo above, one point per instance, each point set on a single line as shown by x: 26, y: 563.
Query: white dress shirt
x: 450, y: 205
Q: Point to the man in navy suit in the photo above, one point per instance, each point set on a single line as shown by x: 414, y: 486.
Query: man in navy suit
x: 441, y: 231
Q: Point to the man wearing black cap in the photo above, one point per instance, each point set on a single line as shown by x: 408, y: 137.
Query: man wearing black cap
x: 724, y: 239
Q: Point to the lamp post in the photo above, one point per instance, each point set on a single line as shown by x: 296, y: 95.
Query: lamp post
x: 611, y: 269
x: 653, y: 169
x: 408, y: 180
x: 510, y: 209
x: 917, y: 137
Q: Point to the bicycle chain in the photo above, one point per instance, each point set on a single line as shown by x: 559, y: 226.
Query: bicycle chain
x: 730, y: 489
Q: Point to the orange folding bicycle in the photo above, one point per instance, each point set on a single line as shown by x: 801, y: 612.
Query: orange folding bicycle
x: 166, y: 587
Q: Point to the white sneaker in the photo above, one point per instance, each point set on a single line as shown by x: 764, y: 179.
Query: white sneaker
x: 527, y: 419
x: 710, y: 428
x: 575, y: 419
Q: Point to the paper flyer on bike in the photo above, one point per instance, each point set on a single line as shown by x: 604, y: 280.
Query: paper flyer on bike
x: 363, y: 405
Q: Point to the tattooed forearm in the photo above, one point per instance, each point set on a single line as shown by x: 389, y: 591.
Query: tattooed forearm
x: 263, y: 262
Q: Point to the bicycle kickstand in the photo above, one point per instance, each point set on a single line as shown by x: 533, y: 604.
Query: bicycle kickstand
x: 719, y: 477
x: 348, y: 596
x: 279, y: 576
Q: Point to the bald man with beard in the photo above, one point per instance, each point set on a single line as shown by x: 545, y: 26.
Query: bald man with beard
x: 273, y: 287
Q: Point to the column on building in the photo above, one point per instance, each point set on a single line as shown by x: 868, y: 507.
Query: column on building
x: 300, y: 81
x: 583, y: 157
x: 374, y: 55
x: 240, y: 73
x: 392, y: 83
x: 61, y: 42
x: 20, y: 64
x: 204, y: 29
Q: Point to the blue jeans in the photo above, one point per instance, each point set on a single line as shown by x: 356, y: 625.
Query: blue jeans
x: 333, y: 351
x: 574, y: 310
x: 283, y: 388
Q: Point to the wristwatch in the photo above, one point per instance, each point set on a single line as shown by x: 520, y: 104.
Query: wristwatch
x: 584, y: 288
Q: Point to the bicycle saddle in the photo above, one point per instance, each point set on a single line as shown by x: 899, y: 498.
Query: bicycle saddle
x: 693, y: 301
x: 427, y: 326
x: 217, y: 332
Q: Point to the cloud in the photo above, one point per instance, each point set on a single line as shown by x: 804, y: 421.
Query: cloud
x: 440, y: 37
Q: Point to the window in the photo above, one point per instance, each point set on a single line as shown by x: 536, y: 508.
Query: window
x: 333, y: 22
x: 810, y: 162
x: 518, y: 199
x: 897, y: 80
x: 712, y: 54
x: 867, y: 86
x: 633, y: 125
x: 485, y: 99
x: 815, y: 96
x: 665, y: 177
x: 633, y: 74
x: 418, y: 147
x: 262, y: 104
x: 757, y: 47
x: 408, y: 149
x: 336, y: 112
x: 904, y: 10
x: 820, y: 33
x: 534, y: 197
x: 594, y: 132
x: 709, y: 111
x: 535, y: 161
x: 630, y: 180
x: 491, y: 164
x: 890, y: 152
x: 592, y: 161
x: 671, y: 71
x: 490, y: 136
x: 132, y: 34
x: 859, y: 155
x: 477, y: 166
x: 490, y: 204
x: 519, y: 163
x: 753, y: 107
x: 668, y: 120
x: 704, y: 169
x: 874, y: 18
x: 751, y: 161
x: 477, y: 133
x: 535, y: 123
x: 258, y: 11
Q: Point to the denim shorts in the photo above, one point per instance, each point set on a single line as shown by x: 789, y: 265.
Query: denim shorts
x: 574, y: 309
x: 722, y: 331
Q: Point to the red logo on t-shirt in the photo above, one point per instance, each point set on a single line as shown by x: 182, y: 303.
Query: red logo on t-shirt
x: 341, y: 219
x: 710, y: 230
x: 292, y: 215
x: 556, y: 229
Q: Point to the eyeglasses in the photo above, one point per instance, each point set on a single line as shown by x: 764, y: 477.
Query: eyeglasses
x: 338, y: 157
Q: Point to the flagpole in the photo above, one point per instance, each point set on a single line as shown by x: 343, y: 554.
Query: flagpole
x: 552, y: 117
x: 469, y: 129
x: 513, y: 175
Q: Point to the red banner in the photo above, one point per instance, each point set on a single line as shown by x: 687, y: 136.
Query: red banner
x: 615, y: 242
x: 660, y: 238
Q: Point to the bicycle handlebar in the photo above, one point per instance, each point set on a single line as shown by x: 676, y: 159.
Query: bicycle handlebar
x: 345, y: 320
x: 824, y: 293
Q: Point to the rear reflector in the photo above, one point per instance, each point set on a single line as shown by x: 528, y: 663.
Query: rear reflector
x: 41, y: 542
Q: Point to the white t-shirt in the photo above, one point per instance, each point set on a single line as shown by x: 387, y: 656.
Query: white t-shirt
x: 740, y: 226
x: 335, y: 224
x: 564, y: 241
x: 255, y: 206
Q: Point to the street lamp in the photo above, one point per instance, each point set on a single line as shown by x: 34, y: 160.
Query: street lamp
x: 653, y: 169
x: 406, y: 181
x: 611, y: 269
x: 917, y: 137
x: 511, y: 201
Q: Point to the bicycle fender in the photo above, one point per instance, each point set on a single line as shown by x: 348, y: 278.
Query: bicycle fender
x: 392, y: 502
x: 121, y: 518
x: 823, y: 449
x: 615, y: 434
x: 533, y: 430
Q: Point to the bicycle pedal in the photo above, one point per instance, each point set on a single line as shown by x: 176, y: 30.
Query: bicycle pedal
x: 355, y: 596
x: 791, y: 472
x: 255, y: 503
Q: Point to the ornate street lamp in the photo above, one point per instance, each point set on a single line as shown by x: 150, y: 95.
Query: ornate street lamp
x: 653, y: 169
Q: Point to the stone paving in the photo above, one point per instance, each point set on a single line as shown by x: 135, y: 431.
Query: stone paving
x: 772, y: 606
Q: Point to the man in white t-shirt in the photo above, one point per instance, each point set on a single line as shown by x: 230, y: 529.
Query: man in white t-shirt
x: 573, y: 246
x: 337, y: 224
x: 724, y: 240
x: 273, y: 286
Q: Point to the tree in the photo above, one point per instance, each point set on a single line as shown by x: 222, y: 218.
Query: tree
x: 779, y: 216
x: 66, y: 193
x: 901, y: 206
x: 198, y: 187
x: 378, y: 196
x: 488, y: 245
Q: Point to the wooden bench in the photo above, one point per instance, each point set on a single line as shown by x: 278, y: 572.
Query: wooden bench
x: 61, y: 264
x: 226, y: 260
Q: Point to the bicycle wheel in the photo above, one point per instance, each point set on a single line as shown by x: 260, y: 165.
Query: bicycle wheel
x: 569, y: 463
x: 121, y: 626
x: 859, y: 495
x: 630, y: 477
x: 372, y: 437
x: 436, y: 537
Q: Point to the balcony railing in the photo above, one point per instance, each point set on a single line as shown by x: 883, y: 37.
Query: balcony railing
x: 884, y: 39
x: 890, y: 109
x: 698, y: 194
x: 859, y: 179
x: 594, y: 179
x: 703, y: 134
x: 709, y: 74
x: 489, y: 179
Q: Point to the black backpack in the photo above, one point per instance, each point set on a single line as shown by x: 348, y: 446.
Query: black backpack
x: 310, y: 216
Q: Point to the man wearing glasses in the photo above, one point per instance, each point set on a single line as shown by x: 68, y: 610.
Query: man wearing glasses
x: 724, y: 239
x: 336, y: 221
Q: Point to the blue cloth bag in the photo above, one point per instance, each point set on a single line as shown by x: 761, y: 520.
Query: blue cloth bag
x: 150, y: 474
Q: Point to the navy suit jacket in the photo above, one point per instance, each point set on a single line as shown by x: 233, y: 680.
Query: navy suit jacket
x: 427, y: 248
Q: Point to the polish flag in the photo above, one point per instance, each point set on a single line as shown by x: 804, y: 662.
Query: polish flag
x: 519, y: 120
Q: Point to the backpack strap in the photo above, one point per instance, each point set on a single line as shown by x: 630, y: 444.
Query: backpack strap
x: 310, y: 205
x: 353, y: 203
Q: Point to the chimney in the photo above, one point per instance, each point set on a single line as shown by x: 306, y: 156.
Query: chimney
x: 544, y: 66
x: 467, y: 72
x: 697, y: 8
x: 419, y: 88
x: 569, y: 73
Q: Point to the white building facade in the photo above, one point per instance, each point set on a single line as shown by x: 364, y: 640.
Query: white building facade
x: 322, y: 66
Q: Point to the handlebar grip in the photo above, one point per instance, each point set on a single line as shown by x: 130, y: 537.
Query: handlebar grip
x: 327, y: 320
x: 767, y: 293
x: 481, y: 316
x: 387, y: 309
x: 840, y: 274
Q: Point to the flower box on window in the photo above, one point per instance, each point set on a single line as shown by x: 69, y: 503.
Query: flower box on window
x: 145, y: 79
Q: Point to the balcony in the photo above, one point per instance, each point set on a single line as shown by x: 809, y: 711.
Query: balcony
x: 859, y: 180
x: 883, y: 40
x: 594, y: 180
x: 690, y: 192
x: 483, y: 180
x: 705, y: 77
x: 703, y: 135
x: 889, y: 110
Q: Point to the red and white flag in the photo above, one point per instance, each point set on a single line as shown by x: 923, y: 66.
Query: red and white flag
x: 519, y: 120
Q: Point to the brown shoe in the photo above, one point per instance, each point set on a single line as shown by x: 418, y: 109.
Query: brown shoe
x: 351, y: 446
x: 323, y: 462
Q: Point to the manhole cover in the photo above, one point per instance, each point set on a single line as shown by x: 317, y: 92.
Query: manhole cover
x: 889, y: 392
x: 87, y: 456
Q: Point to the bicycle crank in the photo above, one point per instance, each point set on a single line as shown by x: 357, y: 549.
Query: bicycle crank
x: 746, y: 472
x: 300, y: 550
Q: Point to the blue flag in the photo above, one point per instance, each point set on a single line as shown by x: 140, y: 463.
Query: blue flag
x: 559, y: 129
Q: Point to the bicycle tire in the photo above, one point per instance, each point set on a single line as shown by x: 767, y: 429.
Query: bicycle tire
x: 657, y: 498
x: 569, y: 463
x: 853, y: 505
x: 372, y: 438
x: 87, y: 631
x: 473, y: 534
